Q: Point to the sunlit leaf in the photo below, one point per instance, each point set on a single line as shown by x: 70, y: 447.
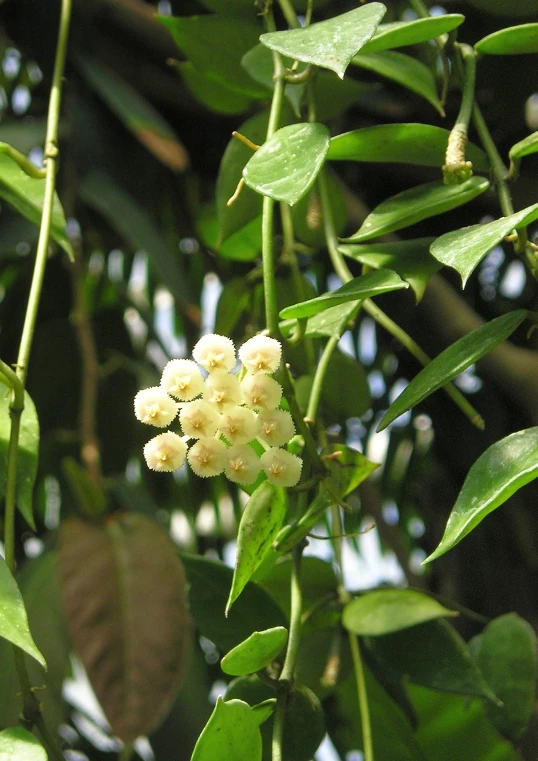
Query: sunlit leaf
x: 498, y: 473
x: 330, y: 44
x: 17, y: 744
x: 232, y: 732
x: 464, y: 249
x: 13, y: 619
x: 511, y: 40
x: 256, y: 652
x: 349, y: 469
x: 418, y: 203
x: 402, y: 33
x: 453, y: 361
x: 264, y: 710
x: 286, y: 165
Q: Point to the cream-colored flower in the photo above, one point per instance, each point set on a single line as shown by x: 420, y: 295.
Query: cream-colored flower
x: 260, y: 392
x: 198, y: 419
x: 182, y: 379
x: 214, y: 353
x: 276, y: 427
x: 222, y: 391
x: 238, y: 425
x: 242, y: 464
x: 166, y: 452
x: 154, y: 407
x: 261, y: 354
x: 282, y: 468
x: 207, y: 457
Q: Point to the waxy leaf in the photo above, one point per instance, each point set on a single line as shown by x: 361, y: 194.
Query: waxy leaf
x: 27, y: 453
x: 17, y: 744
x: 364, y: 287
x: 513, y: 39
x: 524, y: 147
x: 406, y: 71
x: 260, y: 523
x: 506, y: 655
x: 13, y: 619
x: 286, y: 165
x: 384, y: 611
x: 420, y: 144
x: 333, y: 321
x: 453, y: 361
x: 416, y: 204
x: 464, y: 249
x: 330, y: 44
x: 498, y: 473
x: 255, y: 653
x: 402, y: 33
x: 124, y: 593
x: 232, y: 732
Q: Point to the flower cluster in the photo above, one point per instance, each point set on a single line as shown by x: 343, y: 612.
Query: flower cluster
x: 221, y: 414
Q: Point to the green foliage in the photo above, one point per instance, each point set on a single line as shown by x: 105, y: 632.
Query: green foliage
x: 389, y: 610
x: 13, y: 618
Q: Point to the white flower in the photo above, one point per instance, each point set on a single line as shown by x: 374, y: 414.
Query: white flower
x: 214, y: 353
x: 207, y: 457
x: 198, y: 419
x: 238, y: 425
x: 166, y: 452
x: 260, y: 392
x: 242, y: 464
x: 154, y: 407
x: 182, y: 378
x: 276, y: 427
x: 222, y: 391
x: 282, y: 468
x: 261, y: 354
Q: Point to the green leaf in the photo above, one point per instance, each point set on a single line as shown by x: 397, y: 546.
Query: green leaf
x: 498, y: 473
x: 255, y: 653
x: 243, y: 245
x: 349, y: 469
x: 364, y: 287
x: 212, y: 93
x: 233, y: 302
x: 331, y: 322
x: 215, y: 45
x: 384, y: 611
x: 345, y: 391
x: 13, y: 619
x: 399, y: 34
x: 330, y: 44
x: 209, y: 584
x: 264, y: 710
x: 26, y: 195
x: 411, y: 259
x: 289, y: 536
x: 406, y: 71
x: 464, y: 249
x: 524, y: 147
x: 232, y: 732
x: 452, y: 361
x: 509, y: 41
x: 27, y: 453
x: 416, y: 204
x: 286, y: 165
x: 260, y: 523
x: 17, y: 744
x: 420, y: 144
x: 318, y: 580
x: 258, y: 62
x: 506, y: 654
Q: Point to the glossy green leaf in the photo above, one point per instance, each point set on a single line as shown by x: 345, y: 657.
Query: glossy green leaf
x: 260, y: 523
x: 286, y: 165
x: 211, y: 92
x: 255, y: 653
x: 411, y: 259
x: 511, y: 40
x: 506, y: 655
x: 452, y: 361
x: 406, y: 71
x: 416, y: 204
x: 17, y: 744
x: 330, y: 44
x: 498, y: 473
x: 331, y: 322
x: 25, y: 194
x: 364, y: 287
x: 399, y: 34
x: 232, y: 732
x: 264, y: 710
x: 524, y: 147
x: 27, y: 453
x: 13, y: 619
x: 384, y: 611
x: 420, y: 144
x: 464, y: 249
x: 349, y: 469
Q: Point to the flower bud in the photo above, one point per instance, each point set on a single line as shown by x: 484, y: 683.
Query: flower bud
x: 261, y: 354
x: 222, y: 391
x: 238, y: 425
x: 198, y: 419
x: 182, y: 379
x: 154, y: 407
x: 207, y: 457
x: 282, y: 468
x: 276, y: 427
x: 242, y: 464
x: 214, y: 353
x: 166, y: 452
x: 261, y: 392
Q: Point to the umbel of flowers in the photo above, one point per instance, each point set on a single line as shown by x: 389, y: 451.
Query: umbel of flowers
x: 222, y: 413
